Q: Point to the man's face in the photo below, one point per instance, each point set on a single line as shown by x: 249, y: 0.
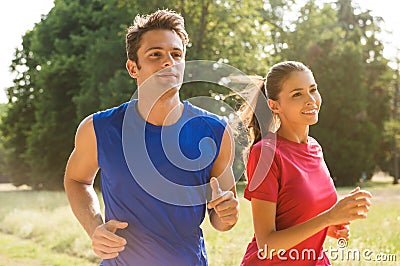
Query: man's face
x: 161, y: 58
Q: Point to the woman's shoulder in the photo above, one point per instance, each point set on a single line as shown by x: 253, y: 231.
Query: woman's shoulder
x: 313, y: 143
x: 266, y: 146
x: 312, y: 140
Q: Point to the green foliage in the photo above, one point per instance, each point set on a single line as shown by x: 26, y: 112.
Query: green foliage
x: 342, y: 50
x: 60, y: 82
x: 73, y: 64
x: 3, y: 152
x: 3, y: 109
x: 52, y: 134
x: 19, y: 117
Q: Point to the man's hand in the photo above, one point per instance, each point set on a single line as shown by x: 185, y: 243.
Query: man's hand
x: 224, y: 204
x: 105, y: 242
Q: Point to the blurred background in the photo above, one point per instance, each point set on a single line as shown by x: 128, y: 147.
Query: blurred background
x: 65, y: 59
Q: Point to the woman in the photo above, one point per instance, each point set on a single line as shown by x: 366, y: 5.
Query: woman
x: 293, y: 199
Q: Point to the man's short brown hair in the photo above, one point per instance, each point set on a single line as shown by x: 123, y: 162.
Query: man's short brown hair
x: 159, y: 20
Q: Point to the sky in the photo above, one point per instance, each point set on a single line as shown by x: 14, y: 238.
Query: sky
x: 19, y: 16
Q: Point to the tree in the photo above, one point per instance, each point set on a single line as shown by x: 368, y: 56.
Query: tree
x: 73, y: 64
x: 392, y: 129
x: 19, y: 117
x: 53, y: 68
x: 3, y: 151
x: 346, y: 57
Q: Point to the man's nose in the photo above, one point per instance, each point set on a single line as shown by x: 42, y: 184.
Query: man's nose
x: 168, y: 61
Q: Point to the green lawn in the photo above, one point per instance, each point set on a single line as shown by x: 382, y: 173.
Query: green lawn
x: 16, y: 251
x: 38, y: 228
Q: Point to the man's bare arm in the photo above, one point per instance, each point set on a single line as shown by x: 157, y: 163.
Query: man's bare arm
x: 79, y: 176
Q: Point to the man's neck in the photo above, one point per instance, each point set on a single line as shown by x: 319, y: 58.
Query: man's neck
x: 165, y: 111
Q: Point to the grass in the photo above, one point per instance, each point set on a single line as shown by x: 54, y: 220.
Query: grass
x: 43, y: 220
x: 17, y: 252
x: 38, y: 228
x: 379, y: 233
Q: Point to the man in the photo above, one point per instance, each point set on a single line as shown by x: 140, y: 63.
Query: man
x: 154, y: 198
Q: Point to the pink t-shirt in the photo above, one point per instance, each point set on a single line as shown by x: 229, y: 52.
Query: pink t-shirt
x: 295, y: 177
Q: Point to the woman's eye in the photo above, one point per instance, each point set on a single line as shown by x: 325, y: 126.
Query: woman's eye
x: 297, y: 94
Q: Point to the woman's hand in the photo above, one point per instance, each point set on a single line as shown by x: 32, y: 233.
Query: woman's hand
x: 339, y: 231
x: 352, y: 207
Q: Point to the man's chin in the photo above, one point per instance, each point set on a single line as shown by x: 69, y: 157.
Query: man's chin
x: 169, y: 84
x: 173, y: 89
x: 155, y: 88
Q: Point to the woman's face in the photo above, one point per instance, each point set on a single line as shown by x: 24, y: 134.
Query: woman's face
x: 299, y: 101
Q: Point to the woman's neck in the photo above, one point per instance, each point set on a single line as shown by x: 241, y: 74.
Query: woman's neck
x: 296, y: 135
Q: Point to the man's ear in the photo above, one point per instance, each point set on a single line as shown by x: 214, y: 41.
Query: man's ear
x: 132, y: 68
x: 273, y: 105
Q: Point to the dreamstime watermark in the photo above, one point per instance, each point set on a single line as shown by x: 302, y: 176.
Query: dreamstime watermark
x: 339, y: 253
x: 343, y: 253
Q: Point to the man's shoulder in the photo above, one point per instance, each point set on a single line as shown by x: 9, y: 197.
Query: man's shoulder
x: 111, y: 112
x: 196, y: 111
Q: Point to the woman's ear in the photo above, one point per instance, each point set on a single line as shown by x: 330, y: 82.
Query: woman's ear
x: 132, y: 68
x: 273, y: 105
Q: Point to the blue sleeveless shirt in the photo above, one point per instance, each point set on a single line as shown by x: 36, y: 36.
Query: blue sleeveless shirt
x: 154, y: 177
